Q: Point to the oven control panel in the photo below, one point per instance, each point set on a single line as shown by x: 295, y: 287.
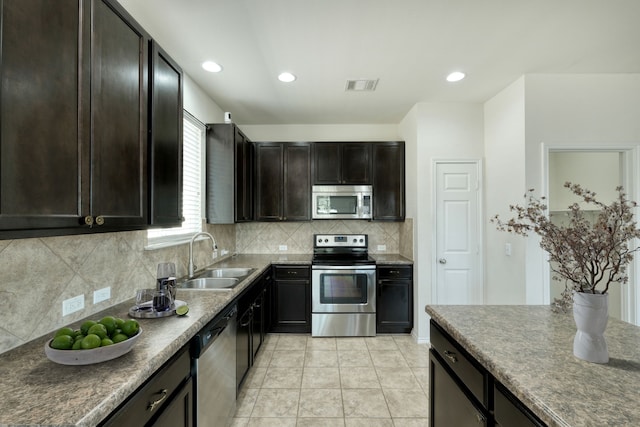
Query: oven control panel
x: 340, y: 240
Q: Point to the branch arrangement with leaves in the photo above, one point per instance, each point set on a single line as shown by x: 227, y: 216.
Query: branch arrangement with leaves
x: 589, y: 256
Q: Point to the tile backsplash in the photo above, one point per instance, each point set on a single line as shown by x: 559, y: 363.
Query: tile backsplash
x: 37, y: 274
x: 269, y: 237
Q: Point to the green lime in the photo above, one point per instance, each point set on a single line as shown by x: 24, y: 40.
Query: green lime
x: 182, y: 310
x: 130, y: 327
x: 119, y: 338
x: 119, y: 322
x: 98, y: 329
x: 90, y: 341
x: 77, y: 345
x: 109, y: 322
x: 105, y: 342
x: 65, y: 331
x: 79, y: 337
x: 62, y: 342
x: 86, y: 325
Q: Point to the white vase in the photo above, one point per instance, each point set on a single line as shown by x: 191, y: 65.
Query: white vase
x: 591, y: 313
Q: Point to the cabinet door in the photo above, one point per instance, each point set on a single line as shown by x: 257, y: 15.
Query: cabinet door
x: 297, y: 182
x: 509, y: 411
x: 341, y: 163
x: 450, y: 406
x: 356, y: 163
x: 179, y: 412
x: 244, y: 178
x: 119, y: 58
x: 41, y: 154
x: 327, y: 165
x: 388, y: 181
x: 394, y: 312
x: 292, y: 306
x: 165, y: 140
x: 269, y: 175
x: 243, y: 343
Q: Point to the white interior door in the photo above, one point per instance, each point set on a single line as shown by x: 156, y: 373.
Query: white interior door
x: 457, y: 261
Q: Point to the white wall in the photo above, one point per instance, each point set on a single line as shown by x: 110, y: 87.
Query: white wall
x: 538, y: 111
x: 329, y: 132
x: 449, y: 131
x: 592, y: 110
x: 504, y: 150
x: 199, y: 104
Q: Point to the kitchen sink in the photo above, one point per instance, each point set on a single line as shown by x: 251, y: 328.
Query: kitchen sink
x: 226, y: 272
x: 210, y: 283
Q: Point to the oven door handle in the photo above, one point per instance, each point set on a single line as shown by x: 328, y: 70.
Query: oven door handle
x: 344, y: 267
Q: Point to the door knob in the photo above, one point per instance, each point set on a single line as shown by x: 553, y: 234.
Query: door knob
x: 442, y: 261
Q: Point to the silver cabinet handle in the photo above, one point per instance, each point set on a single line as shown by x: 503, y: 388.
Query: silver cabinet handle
x: 442, y: 261
x: 163, y: 395
x: 451, y: 356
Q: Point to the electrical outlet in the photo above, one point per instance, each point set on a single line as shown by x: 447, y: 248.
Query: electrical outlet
x: 224, y: 252
x: 282, y: 248
x: 382, y: 247
x: 72, y: 305
x: 101, y: 294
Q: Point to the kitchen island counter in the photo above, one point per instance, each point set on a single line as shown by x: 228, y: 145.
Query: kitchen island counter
x: 529, y: 349
x: 38, y: 392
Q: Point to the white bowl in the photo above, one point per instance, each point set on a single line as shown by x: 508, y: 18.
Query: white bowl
x: 94, y: 355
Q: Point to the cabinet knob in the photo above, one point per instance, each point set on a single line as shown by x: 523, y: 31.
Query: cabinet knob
x: 442, y: 261
x: 163, y: 395
x: 88, y: 220
x: 100, y: 220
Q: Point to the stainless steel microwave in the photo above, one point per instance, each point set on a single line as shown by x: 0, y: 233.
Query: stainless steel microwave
x: 342, y: 202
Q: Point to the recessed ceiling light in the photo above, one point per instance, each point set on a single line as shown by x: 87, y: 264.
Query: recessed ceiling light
x: 286, y: 77
x: 211, y: 67
x: 456, y: 76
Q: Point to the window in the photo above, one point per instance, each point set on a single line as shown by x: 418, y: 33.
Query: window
x: 193, y: 142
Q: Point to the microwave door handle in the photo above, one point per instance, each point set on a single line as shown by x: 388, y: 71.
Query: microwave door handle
x: 360, y: 201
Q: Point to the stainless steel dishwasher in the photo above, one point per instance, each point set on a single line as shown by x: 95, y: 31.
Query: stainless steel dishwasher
x: 213, y: 351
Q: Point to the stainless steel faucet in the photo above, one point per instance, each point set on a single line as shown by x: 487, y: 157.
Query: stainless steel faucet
x: 192, y: 267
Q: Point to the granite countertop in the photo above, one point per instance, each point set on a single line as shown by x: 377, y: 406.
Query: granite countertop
x: 385, y: 258
x: 529, y: 349
x: 38, y: 392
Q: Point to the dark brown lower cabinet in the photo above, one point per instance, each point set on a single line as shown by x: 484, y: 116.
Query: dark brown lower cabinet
x: 291, y: 310
x: 450, y: 405
x: 508, y: 411
x: 254, y: 318
x: 463, y: 393
x: 394, y: 300
x: 166, y: 399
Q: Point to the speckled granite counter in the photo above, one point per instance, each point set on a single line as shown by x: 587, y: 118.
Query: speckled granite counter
x: 529, y: 349
x: 38, y: 392
x: 391, y: 259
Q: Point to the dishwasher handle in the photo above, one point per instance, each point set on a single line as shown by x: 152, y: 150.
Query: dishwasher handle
x: 208, y: 335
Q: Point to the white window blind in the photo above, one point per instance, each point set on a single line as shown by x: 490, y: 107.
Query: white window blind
x: 193, y: 143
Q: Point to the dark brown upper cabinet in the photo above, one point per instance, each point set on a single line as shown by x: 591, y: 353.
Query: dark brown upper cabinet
x: 336, y: 163
x: 283, y: 181
x: 388, y: 181
x: 73, y: 118
x: 165, y: 139
x: 229, y: 175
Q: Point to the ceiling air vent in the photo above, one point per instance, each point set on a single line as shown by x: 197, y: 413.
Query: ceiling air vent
x: 361, y: 85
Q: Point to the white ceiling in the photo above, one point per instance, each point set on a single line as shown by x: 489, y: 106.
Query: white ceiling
x: 410, y: 45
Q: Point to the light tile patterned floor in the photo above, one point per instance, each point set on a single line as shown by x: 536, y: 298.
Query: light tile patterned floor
x: 302, y: 381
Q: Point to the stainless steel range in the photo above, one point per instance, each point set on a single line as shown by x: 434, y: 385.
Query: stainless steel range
x: 343, y: 278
